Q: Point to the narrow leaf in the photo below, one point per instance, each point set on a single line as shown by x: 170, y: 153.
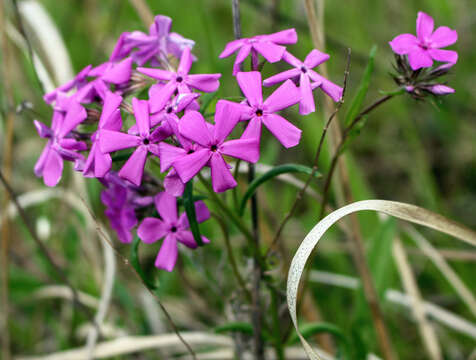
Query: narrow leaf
x: 207, y: 100
x: 134, y: 259
x: 189, y: 205
x: 277, y: 170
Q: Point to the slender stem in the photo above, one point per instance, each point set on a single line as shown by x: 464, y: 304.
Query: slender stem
x: 339, y: 148
x: 278, y: 338
x: 315, y: 163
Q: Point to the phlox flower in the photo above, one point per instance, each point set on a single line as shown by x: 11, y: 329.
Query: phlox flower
x: 269, y: 46
x: 181, y: 80
x: 159, y: 43
x: 61, y: 145
x: 211, y: 146
x: 261, y: 112
x: 99, y: 163
x: 307, y: 78
x: 172, y: 227
x: 144, y: 141
x: 78, y: 82
x: 426, y: 46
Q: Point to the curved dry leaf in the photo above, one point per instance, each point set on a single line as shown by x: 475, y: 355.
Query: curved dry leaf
x: 399, y: 210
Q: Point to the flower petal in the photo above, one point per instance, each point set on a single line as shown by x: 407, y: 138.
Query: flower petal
x: 448, y: 56
x: 204, y: 82
x: 53, y: 168
x: 222, y: 179
x: 288, y: 36
x: 111, y: 104
x: 119, y: 73
x: 110, y: 141
x: 185, y: 61
x: 168, y: 154
x: 40, y: 163
x: 173, y: 185
x: 424, y: 26
x: 141, y: 113
x: 315, y: 58
x: 188, y: 166
x: 166, y: 206
x: 403, y: 43
x: 133, y: 169
x: 226, y: 118
x: 419, y: 58
x: 284, y: 96
x: 242, y: 54
x: 331, y: 89
x: 244, y: 149
x: 306, y: 105
x: 250, y: 84
x: 193, y: 126
x: 282, y: 76
x: 292, y: 60
x: 253, y: 129
x: 287, y: 134
x: 43, y: 130
x: 168, y: 253
x: 270, y: 51
x: 156, y: 73
x: 441, y: 89
x: 230, y: 48
x: 158, y: 99
x: 75, y: 115
x: 186, y: 238
x: 443, y: 37
x: 151, y: 230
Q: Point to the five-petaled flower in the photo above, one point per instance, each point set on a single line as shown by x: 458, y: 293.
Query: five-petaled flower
x: 269, y: 46
x: 172, y: 228
x: 426, y: 46
x: 308, y: 79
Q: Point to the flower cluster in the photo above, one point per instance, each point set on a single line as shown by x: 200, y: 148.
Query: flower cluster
x: 415, y: 56
x: 168, y: 126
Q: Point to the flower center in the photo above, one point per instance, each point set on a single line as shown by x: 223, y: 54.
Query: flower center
x: 191, y: 151
x: 146, y: 141
x: 173, y: 229
x: 169, y: 110
x: 303, y: 69
x: 214, y: 148
x: 259, y: 112
x: 179, y: 79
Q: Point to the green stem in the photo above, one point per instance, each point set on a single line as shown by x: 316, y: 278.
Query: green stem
x: 278, y: 341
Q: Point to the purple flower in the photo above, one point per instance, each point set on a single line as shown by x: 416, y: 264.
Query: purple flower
x: 264, y: 112
x: 211, y: 146
x: 303, y: 71
x: 61, y: 145
x: 79, y: 81
x: 440, y: 89
x: 181, y: 80
x: 159, y: 43
x: 145, y: 141
x: 172, y: 228
x: 99, y: 163
x: 426, y: 46
x: 269, y: 46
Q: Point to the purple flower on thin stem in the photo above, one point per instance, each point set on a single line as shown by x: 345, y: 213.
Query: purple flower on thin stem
x: 426, y: 46
x: 212, y: 146
x: 145, y: 141
x: 61, y: 146
x: 159, y: 43
x: 79, y: 81
x: 172, y: 228
x: 99, y: 163
x: 181, y: 80
x: 261, y: 112
x: 268, y: 46
x: 308, y: 79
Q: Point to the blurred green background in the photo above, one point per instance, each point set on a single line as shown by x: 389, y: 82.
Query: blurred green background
x: 417, y: 152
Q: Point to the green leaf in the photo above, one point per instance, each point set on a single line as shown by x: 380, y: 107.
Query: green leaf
x: 190, y: 211
x: 359, y: 98
x: 242, y: 327
x: 207, y: 100
x: 277, y: 170
x: 134, y: 259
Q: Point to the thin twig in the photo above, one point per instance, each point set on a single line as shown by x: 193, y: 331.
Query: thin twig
x: 315, y: 163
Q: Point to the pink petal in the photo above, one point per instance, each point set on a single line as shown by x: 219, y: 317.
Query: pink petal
x: 119, y: 73
x: 188, y: 166
x: 284, y: 96
x: 133, y: 169
x: 156, y: 73
x: 158, y: 99
x: 43, y: 130
x: 141, y: 113
x: 226, y: 118
x: 186, y: 238
x: 288, y: 36
x: 306, y: 105
x: 53, y: 168
x: 193, y: 126
x: 222, y: 179
x: 40, y: 163
x: 424, y: 26
x: 403, y: 44
x: 230, y: 48
x: 292, y: 60
x: 75, y: 115
x: 331, y: 89
x: 201, y: 212
x: 245, y: 149
x: 441, y: 89
x: 253, y: 129
x: 315, y: 58
x: 173, y: 185
x: 204, y: 82
x: 168, y: 154
x: 419, y: 58
x: 168, y: 253
x: 110, y: 141
x: 242, y: 54
x: 287, y: 134
x: 166, y: 206
x: 250, y: 84
x: 111, y: 104
x: 448, y: 56
x: 185, y: 61
x: 151, y: 230
x: 270, y: 51
x: 443, y: 37
x: 285, y: 75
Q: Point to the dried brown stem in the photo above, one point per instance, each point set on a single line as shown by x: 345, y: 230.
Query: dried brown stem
x: 143, y: 11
